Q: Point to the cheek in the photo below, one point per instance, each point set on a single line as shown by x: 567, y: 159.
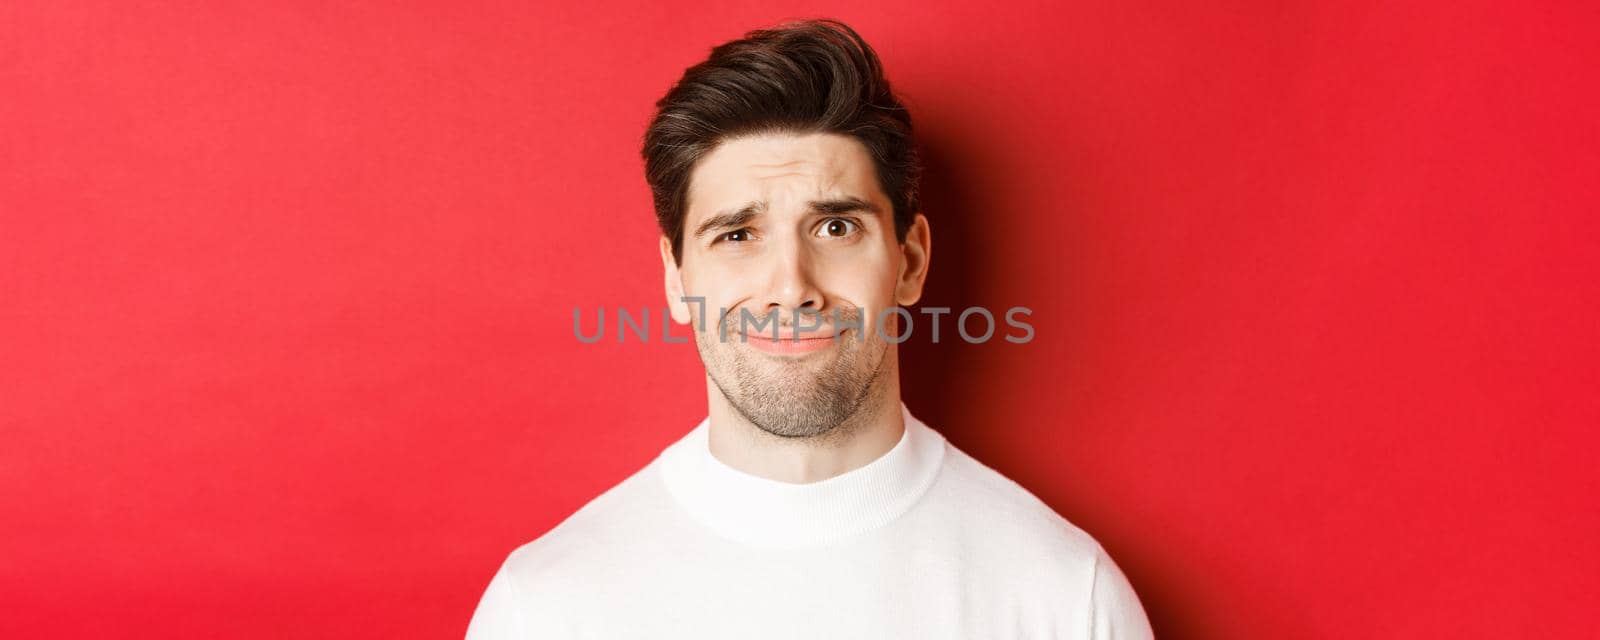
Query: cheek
x: 865, y: 280
x: 719, y: 287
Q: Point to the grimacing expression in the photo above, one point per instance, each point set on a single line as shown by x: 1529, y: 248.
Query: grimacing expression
x: 779, y: 224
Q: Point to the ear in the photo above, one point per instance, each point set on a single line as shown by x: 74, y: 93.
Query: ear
x: 674, y: 284
x: 914, y: 252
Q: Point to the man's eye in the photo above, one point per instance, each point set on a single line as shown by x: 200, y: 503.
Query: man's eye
x: 837, y: 228
x: 740, y: 235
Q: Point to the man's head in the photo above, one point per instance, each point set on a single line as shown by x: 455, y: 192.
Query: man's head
x: 784, y: 177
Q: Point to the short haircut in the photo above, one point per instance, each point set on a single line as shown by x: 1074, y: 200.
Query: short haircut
x: 815, y: 76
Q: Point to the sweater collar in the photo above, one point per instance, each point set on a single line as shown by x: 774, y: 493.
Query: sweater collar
x: 761, y: 512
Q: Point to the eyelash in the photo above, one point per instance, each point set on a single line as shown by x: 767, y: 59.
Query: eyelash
x: 855, y: 227
x: 724, y: 237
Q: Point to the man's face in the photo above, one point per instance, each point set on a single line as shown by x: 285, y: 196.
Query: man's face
x: 784, y: 225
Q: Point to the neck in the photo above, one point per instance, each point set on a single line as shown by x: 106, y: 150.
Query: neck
x: 865, y: 436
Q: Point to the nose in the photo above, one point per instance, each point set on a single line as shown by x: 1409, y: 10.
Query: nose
x: 791, y: 282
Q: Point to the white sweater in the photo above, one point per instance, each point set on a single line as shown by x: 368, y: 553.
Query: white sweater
x: 923, y: 542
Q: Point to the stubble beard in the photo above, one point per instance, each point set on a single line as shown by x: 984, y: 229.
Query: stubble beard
x: 813, y: 397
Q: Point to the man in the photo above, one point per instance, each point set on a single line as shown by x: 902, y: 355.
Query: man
x: 810, y: 502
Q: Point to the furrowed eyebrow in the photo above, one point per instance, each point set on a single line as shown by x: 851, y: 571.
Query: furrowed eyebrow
x: 730, y: 219
x: 836, y: 206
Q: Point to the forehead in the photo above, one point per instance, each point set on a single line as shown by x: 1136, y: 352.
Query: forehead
x: 771, y: 167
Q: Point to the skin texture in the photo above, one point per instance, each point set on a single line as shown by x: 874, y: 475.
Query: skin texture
x: 790, y: 224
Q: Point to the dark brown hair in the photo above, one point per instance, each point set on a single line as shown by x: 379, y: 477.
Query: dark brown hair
x: 816, y: 76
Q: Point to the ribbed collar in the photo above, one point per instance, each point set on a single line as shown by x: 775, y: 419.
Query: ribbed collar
x: 767, y: 513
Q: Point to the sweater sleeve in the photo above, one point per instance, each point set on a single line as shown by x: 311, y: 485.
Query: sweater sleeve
x: 497, y: 617
x: 1115, y: 612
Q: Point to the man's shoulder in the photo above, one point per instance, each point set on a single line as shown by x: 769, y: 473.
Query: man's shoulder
x: 599, y: 534
x: 1011, y: 538
x: 1010, y: 519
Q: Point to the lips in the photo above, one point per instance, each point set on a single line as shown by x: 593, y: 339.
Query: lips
x: 789, y: 342
x: 788, y: 333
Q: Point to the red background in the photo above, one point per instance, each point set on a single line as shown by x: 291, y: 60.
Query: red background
x: 288, y: 289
